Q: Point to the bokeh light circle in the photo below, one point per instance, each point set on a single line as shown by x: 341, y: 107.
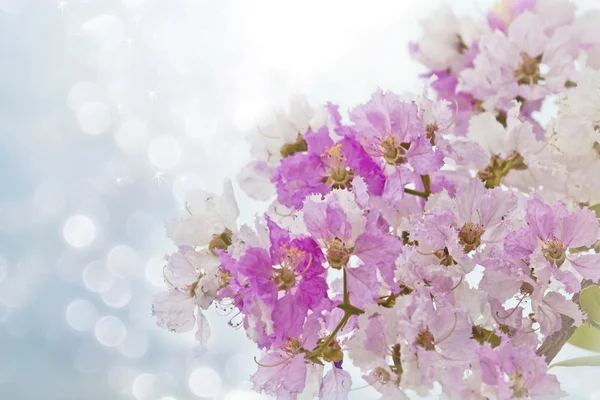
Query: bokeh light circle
x: 164, y: 152
x: 123, y: 260
x: 81, y: 315
x: 154, y: 271
x: 79, y: 231
x: 205, y: 382
x: 105, y: 30
x: 83, y: 92
x: 143, y: 387
x: 118, y: 295
x: 94, y: 117
x: 132, y: 136
x: 97, y: 277
x: 110, y: 331
x: 135, y: 345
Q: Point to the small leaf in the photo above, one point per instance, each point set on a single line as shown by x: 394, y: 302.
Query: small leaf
x: 570, y: 84
x: 596, y: 208
x: 591, y: 361
x: 590, y: 302
x: 586, y: 337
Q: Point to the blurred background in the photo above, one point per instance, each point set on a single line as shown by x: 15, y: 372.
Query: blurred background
x: 110, y: 112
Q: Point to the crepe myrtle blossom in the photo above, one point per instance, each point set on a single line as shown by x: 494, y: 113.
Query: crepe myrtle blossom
x: 206, y: 219
x: 281, y: 135
x: 510, y: 151
x: 328, y: 164
x: 436, y: 240
x: 552, y: 242
x: 287, y: 279
x: 393, y: 131
x: 525, y: 62
x: 446, y: 40
x: 344, y: 231
x: 194, y: 280
x: 510, y: 372
x: 578, y: 122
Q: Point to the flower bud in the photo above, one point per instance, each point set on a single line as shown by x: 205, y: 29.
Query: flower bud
x: 289, y: 149
x: 222, y: 241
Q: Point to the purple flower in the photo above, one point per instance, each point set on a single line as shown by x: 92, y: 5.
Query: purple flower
x: 288, y: 278
x: 327, y: 165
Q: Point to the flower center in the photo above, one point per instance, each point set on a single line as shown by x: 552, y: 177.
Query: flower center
x: 293, y: 346
x: 554, y: 251
x: 221, y: 241
x: 224, y: 278
x: 469, y: 236
x: 425, y: 340
x: 498, y: 168
x: 337, y: 253
x: 444, y: 257
x: 518, y: 386
x: 381, y: 375
x: 289, y: 149
x: 285, y: 275
x: 338, y: 174
x: 392, y: 150
x: 529, y: 71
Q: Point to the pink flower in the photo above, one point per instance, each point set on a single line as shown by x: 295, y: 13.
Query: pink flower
x: 505, y: 12
x: 552, y: 231
x: 327, y: 165
x: 508, y: 65
x: 517, y: 372
x: 391, y: 130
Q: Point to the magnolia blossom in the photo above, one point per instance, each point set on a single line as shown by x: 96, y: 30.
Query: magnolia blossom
x: 431, y: 240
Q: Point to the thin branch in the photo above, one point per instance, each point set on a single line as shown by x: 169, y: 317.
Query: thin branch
x: 555, y: 342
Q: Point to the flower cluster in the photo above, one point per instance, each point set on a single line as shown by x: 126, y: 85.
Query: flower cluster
x: 434, y: 239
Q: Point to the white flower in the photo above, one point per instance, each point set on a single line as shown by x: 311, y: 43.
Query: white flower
x: 193, y: 280
x: 578, y: 125
x: 280, y: 135
x: 203, y: 216
x: 495, y: 139
x: 446, y: 38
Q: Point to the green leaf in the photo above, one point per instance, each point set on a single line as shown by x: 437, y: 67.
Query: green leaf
x: 570, y: 84
x: 590, y: 302
x: 586, y: 337
x: 596, y: 208
x: 591, y: 361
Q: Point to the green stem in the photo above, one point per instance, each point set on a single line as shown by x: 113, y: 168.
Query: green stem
x: 426, y: 179
x: 416, y: 193
x: 346, y: 293
x: 349, y: 311
x: 426, y: 185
